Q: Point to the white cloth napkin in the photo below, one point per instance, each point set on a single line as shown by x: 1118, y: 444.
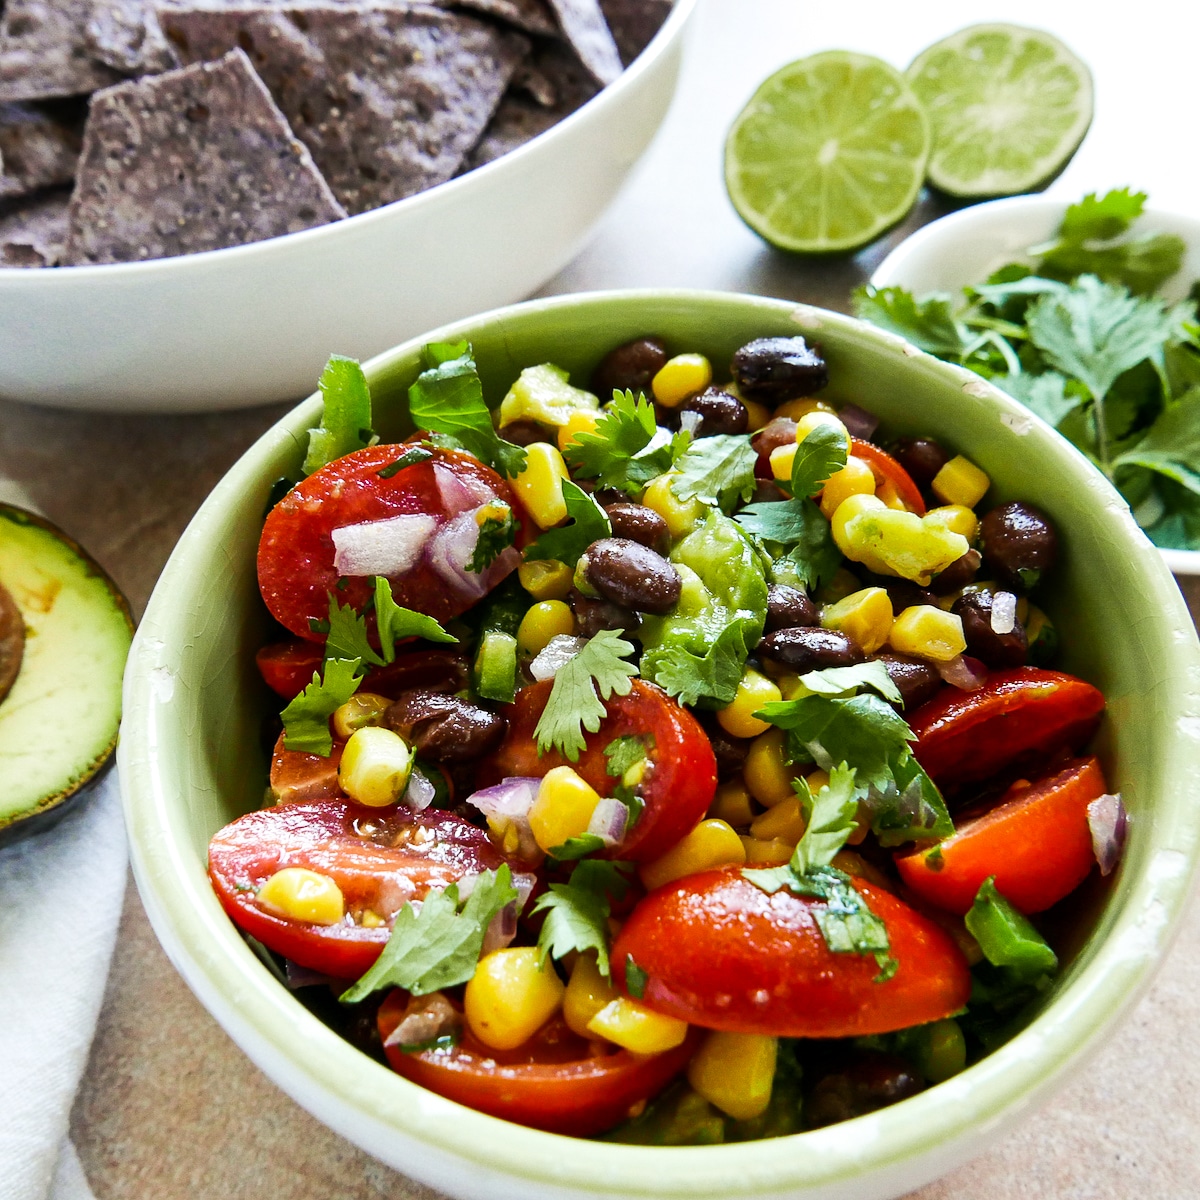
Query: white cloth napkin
x: 60, y: 903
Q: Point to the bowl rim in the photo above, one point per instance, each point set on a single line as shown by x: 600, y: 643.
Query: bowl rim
x: 929, y: 240
x: 269, y: 1024
x: 447, y: 192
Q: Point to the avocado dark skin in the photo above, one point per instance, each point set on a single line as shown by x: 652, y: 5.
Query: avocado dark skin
x: 12, y: 641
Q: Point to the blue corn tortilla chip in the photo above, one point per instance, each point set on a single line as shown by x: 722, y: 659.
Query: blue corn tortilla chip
x: 38, y: 148
x: 634, y: 23
x: 583, y: 25
x: 125, y: 35
x: 390, y: 98
x: 195, y: 159
x: 530, y: 16
x: 33, y: 230
x: 44, y: 50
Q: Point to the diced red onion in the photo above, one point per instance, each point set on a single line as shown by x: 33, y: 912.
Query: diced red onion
x: 1109, y: 823
x: 391, y: 547
x: 501, y: 930
x: 506, y: 806
x: 968, y: 674
x: 460, y: 493
x: 858, y: 422
x: 1004, y: 613
x: 425, y: 1018
x: 420, y: 793
x: 558, y: 651
x: 301, y: 977
x: 609, y: 819
x: 690, y: 421
x: 454, y: 547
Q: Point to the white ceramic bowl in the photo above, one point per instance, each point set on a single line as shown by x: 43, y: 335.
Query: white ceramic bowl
x: 254, y: 324
x: 967, y: 246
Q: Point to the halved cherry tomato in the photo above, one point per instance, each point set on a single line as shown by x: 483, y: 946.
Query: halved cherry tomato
x: 287, y: 669
x: 1017, y: 717
x: 886, y: 468
x: 556, y: 1081
x: 1036, y: 842
x: 380, y: 858
x: 296, y: 776
x: 679, y: 783
x: 296, y: 554
x: 721, y: 953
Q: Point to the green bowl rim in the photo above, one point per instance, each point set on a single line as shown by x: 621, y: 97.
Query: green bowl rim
x: 370, y: 1104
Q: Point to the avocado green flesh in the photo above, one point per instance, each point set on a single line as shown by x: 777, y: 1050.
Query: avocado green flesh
x: 59, y: 722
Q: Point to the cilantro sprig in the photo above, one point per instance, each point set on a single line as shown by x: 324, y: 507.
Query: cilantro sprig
x: 577, y: 912
x: 619, y: 453
x: 306, y: 718
x: 588, y: 522
x: 347, y: 636
x: 717, y: 470
x: 346, y: 416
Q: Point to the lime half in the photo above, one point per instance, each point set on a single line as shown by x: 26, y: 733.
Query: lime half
x: 829, y: 153
x: 1008, y: 105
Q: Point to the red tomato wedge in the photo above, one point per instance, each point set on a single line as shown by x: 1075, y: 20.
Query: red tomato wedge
x: 380, y: 858
x: 1036, y: 842
x: 885, y: 468
x: 556, y: 1081
x: 287, y: 669
x: 296, y: 776
x: 1016, y: 717
x: 721, y: 953
x: 296, y: 570
x: 678, y: 786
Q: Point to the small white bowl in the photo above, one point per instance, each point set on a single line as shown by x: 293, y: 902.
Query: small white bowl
x: 254, y: 324
x: 967, y: 246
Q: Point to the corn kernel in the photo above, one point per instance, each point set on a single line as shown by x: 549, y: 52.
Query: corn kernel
x: 732, y: 804
x: 789, y: 685
x: 801, y: 406
x: 546, y: 578
x: 815, y: 420
x: 564, y: 806
x: 370, y: 919
x: 735, y: 1072
x: 889, y: 542
x: 960, y: 481
x: 816, y: 780
x: 839, y: 587
x: 890, y: 495
x: 582, y: 420
x: 781, y: 460
x: 362, y: 709
x: 854, y: 864
x: 753, y: 692
x: 709, y: 844
x: 957, y: 518
x: 588, y: 992
x: 543, y: 621
x: 681, y: 516
x: 539, y: 486
x: 768, y: 774
x: 855, y: 479
x: 637, y: 1028
x: 303, y: 895
x: 681, y: 377
x: 511, y: 996
x: 865, y: 617
x: 784, y: 822
x: 928, y: 632
x: 772, y: 854
x: 375, y: 766
x: 757, y: 415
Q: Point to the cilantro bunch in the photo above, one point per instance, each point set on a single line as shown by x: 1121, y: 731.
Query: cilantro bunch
x: 1078, y: 336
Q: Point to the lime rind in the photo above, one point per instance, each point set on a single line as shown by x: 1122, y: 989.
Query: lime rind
x: 829, y: 153
x: 1008, y: 107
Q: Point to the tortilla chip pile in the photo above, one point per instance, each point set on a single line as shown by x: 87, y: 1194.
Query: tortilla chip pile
x: 215, y: 123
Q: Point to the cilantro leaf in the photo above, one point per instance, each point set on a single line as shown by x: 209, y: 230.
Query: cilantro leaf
x: 1171, y: 446
x: 625, y: 752
x: 574, y: 704
x: 567, y: 543
x: 410, y: 458
x: 1045, y: 394
x: 438, y: 946
x: 1006, y: 937
x: 496, y: 534
x: 797, y: 526
x: 396, y: 622
x: 618, y: 453
x: 576, y: 847
x: 929, y: 323
x: 635, y: 978
x: 1101, y: 218
x: 821, y: 453
x: 910, y: 809
x: 840, y: 681
x: 718, y: 470
x: 306, y: 718
x: 346, y: 419
x: 347, y: 635
x: 447, y: 398
x: 689, y: 677
x: 577, y: 912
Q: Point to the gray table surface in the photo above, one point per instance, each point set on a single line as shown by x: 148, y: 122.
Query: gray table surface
x: 169, y: 1107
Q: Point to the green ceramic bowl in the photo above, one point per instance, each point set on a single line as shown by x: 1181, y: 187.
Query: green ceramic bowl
x: 191, y: 761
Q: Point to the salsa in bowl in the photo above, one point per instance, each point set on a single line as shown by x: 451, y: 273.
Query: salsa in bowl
x: 1089, y: 590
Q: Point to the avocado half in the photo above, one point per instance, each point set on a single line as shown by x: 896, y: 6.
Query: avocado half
x: 65, y: 632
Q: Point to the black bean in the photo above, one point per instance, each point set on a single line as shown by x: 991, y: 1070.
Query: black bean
x: 915, y: 680
x: 1019, y: 543
x: 788, y: 607
x: 522, y: 432
x: 778, y: 368
x: 870, y: 1083
x: 810, y: 648
x: 781, y: 431
x: 922, y: 458
x: 903, y: 593
x: 730, y: 751
x: 997, y: 650
x: 592, y: 615
x: 957, y: 575
x: 630, y: 367
x: 606, y: 496
x: 637, y: 523
x: 858, y: 422
x: 767, y: 492
x: 444, y: 728
x: 719, y: 412
x: 632, y: 575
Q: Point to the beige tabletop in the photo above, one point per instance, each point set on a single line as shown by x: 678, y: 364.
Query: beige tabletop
x: 169, y: 1107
